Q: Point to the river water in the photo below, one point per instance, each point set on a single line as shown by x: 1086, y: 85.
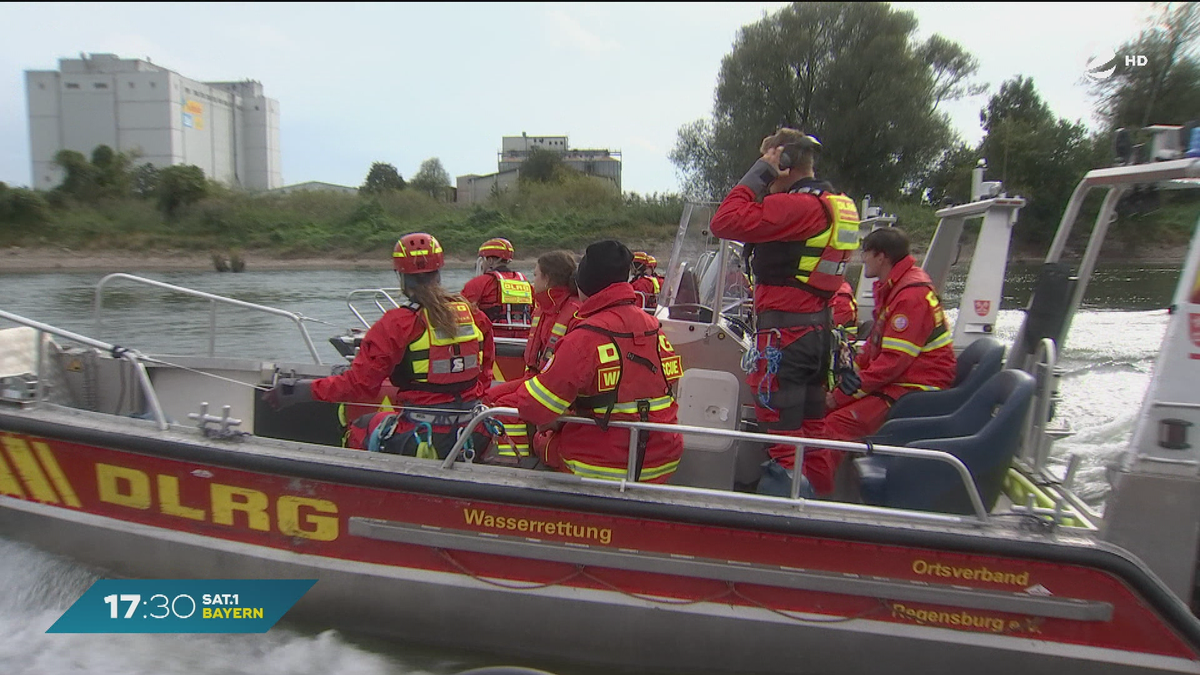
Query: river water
x: 1107, y: 362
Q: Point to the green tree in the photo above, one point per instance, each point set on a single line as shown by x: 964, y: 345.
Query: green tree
x: 853, y: 74
x: 543, y: 166
x: 1035, y: 154
x: 113, y: 179
x: 949, y: 179
x: 382, y: 178
x: 21, y: 207
x: 144, y: 180
x: 179, y: 186
x: 1167, y: 89
x: 432, y: 179
x: 81, y: 178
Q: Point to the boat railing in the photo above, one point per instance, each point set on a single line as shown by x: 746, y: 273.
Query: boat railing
x: 980, y: 513
x: 376, y: 296
x: 214, y: 300
x: 136, y: 358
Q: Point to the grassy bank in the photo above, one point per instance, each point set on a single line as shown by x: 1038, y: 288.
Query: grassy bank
x: 536, y: 218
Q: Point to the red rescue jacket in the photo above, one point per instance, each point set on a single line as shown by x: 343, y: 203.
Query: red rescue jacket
x: 484, y: 292
x: 385, y: 346
x: 554, y: 310
x: 780, y: 217
x: 649, y: 288
x: 909, y: 348
x: 614, y: 361
x: 845, y: 309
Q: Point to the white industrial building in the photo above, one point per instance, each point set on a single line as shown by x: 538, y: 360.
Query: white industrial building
x: 473, y: 188
x: 228, y: 129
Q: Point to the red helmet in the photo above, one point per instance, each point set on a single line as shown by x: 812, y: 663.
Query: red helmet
x: 418, y: 253
x: 651, y: 261
x: 497, y: 248
x: 641, y: 258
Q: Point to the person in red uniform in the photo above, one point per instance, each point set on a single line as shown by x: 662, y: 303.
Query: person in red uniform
x: 845, y: 310
x: 435, y: 349
x: 644, y: 282
x: 614, y: 363
x: 909, y: 348
x: 504, y: 296
x: 652, y: 265
x: 556, y: 299
x: 799, y: 235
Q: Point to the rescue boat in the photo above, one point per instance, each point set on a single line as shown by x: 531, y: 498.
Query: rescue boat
x: 952, y: 545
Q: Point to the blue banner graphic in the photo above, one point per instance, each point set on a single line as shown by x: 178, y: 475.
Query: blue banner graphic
x: 182, y: 606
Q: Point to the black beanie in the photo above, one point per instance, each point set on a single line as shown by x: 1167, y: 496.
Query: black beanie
x: 604, y: 263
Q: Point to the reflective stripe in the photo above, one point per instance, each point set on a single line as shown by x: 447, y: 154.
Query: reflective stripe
x: 901, y: 346
x: 447, y: 366
x: 922, y: 387
x: 612, y: 473
x: 656, y: 404
x: 544, y: 396
x: 559, y: 329
x: 940, y: 341
x: 515, y: 429
x: 830, y: 267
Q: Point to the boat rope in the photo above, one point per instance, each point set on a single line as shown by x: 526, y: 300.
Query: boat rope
x: 773, y: 356
x: 730, y: 590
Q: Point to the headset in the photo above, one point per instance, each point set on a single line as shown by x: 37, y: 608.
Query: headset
x: 792, y: 151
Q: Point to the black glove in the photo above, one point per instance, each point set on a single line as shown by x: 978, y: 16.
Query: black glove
x: 759, y: 177
x: 288, y: 391
x: 849, y: 382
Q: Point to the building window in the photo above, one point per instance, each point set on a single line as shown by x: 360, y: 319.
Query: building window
x: 41, y: 85
x: 72, y: 85
x: 100, y: 85
x: 131, y: 85
x: 153, y: 85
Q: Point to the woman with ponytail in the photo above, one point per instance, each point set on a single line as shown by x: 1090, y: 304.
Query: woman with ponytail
x: 435, y: 350
x: 556, y: 299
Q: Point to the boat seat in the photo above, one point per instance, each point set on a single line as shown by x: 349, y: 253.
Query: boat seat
x: 985, y: 434
x: 685, y: 306
x: 981, y: 360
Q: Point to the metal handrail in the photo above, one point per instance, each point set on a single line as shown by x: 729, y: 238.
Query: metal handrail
x: 132, y: 355
x: 375, y: 294
x: 299, y: 319
x: 798, y: 442
x: 389, y: 293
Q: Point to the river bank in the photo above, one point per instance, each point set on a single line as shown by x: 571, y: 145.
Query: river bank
x: 34, y: 260
x: 26, y: 260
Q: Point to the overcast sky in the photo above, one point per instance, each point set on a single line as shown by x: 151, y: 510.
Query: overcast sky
x: 400, y: 83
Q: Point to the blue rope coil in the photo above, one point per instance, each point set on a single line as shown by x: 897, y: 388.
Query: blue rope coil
x: 773, y: 356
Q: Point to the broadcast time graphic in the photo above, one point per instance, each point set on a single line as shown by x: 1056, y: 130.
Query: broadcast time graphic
x: 182, y: 606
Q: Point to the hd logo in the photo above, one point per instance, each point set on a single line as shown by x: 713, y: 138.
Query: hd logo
x: 458, y: 364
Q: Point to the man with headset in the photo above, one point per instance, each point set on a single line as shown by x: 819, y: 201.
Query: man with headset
x: 799, y: 234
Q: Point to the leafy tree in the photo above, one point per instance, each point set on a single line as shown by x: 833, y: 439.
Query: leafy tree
x: 542, y: 166
x: 1036, y: 155
x: 1167, y: 89
x: 144, y: 180
x: 22, y: 207
x: 81, y: 179
x: 381, y: 178
x: 949, y: 179
x: 179, y: 186
x: 852, y: 74
x: 112, y: 172
x: 432, y: 179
